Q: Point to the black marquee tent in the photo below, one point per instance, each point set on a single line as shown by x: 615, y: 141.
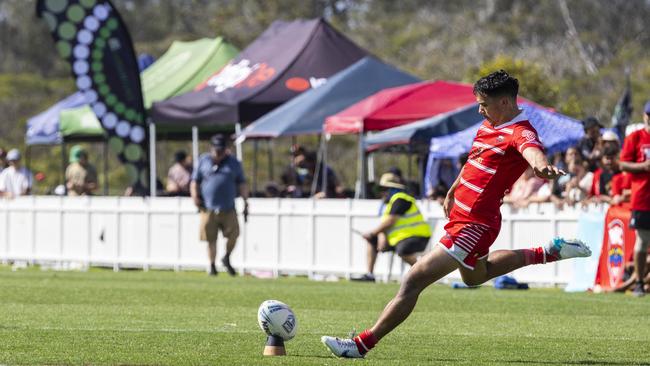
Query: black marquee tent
x: 287, y: 59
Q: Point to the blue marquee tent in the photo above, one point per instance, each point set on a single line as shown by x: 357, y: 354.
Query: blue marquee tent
x: 421, y: 132
x: 306, y: 113
x: 556, y: 131
x: 43, y: 129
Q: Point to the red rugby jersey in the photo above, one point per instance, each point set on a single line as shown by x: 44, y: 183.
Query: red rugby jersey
x: 636, y: 149
x: 494, y: 163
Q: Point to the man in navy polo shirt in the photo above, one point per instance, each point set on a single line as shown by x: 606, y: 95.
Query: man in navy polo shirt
x: 216, y: 182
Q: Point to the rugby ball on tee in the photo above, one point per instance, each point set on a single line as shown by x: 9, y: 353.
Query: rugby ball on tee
x: 276, y: 318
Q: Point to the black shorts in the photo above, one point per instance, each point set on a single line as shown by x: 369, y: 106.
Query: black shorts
x: 414, y: 244
x: 640, y: 220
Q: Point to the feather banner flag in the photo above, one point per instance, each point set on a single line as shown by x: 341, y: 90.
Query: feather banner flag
x: 92, y: 37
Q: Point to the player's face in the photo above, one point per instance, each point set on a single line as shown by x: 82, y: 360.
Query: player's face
x: 493, y: 109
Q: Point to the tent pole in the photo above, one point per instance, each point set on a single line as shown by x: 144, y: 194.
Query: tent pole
x: 105, y: 168
x: 152, y: 159
x: 269, y: 145
x: 63, y: 161
x: 371, y: 167
x: 362, y: 166
x: 238, y: 147
x: 255, y: 151
x: 195, y: 147
x: 324, y: 152
x: 317, y: 171
x: 410, y: 164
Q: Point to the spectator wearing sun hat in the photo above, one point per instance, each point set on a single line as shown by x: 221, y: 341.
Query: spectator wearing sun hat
x: 402, y: 228
x: 15, y: 180
x: 610, y: 139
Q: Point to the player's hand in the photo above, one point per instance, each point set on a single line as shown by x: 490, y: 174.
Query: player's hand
x: 448, y: 204
x: 549, y: 172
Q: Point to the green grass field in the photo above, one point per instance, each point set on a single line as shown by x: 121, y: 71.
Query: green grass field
x: 167, y: 318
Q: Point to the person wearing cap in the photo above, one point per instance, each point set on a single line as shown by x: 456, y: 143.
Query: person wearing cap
x: 588, y: 145
x: 635, y: 159
x: 80, y: 175
x: 15, y: 180
x: 179, y: 175
x: 402, y: 228
x: 217, y: 181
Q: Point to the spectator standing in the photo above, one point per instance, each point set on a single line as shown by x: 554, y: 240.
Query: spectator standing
x: 15, y: 180
x: 217, y: 181
x: 179, y: 175
x: 80, y: 175
x: 588, y: 145
x: 635, y: 158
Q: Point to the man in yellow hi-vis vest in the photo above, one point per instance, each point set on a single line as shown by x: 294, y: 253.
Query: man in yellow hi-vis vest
x: 402, y: 228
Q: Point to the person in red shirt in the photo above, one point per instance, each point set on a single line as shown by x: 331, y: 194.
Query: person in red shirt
x: 635, y: 158
x: 608, y: 171
x: 505, y: 145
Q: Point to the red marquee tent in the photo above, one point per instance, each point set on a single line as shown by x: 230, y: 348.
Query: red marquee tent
x: 401, y: 105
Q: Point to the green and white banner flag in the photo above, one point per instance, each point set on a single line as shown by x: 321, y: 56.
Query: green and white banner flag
x: 93, y: 38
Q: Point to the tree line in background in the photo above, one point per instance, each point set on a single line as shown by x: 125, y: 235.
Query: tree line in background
x: 568, y: 55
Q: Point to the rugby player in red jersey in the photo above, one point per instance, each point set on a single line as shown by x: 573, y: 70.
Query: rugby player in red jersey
x: 504, y: 146
x: 635, y: 159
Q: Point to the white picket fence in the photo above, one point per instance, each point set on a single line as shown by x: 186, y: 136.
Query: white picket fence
x: 283, y: 236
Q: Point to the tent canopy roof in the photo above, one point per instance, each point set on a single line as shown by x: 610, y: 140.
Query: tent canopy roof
x: 447, y: 130
x: 306, y: 113
x: 287, y: 59
x: 183, y: 66
x: 401, y: 105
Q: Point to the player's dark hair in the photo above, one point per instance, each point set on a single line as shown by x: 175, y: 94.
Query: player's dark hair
x: 497, y: 84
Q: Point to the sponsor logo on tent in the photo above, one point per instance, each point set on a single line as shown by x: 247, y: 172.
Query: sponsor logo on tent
x: 238, y: 75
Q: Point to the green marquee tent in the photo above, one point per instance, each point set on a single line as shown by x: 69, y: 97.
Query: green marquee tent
x: 184, y: 66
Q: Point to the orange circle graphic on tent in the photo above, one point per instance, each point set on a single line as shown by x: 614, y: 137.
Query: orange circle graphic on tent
x: 297, y: 84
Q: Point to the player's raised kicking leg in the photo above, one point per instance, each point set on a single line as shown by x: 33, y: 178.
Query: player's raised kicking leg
x: 437, y: 264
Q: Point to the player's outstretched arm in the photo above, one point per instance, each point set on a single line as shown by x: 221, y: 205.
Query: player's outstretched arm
x: 542, y: 168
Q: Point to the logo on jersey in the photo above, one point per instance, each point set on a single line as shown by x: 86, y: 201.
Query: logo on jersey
x: 500, y: 138
x: 529, y: 135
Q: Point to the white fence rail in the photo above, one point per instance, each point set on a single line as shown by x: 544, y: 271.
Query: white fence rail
x: 301, y: 236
